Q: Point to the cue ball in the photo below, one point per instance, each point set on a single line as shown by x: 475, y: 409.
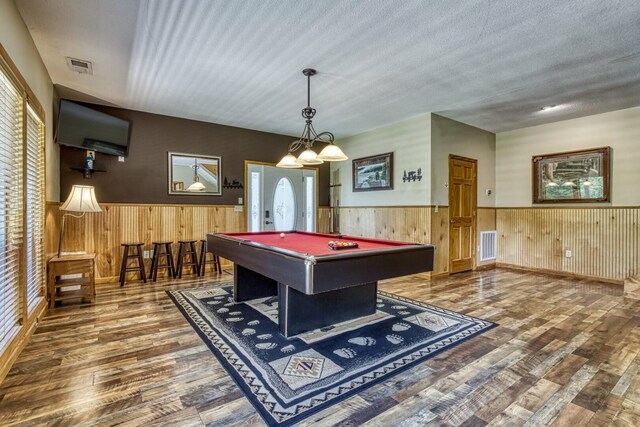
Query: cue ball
x: 281, y: 234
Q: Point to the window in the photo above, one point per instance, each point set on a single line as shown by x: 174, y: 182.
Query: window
x: 255, y: 203
x: 22, y: 203
x: 284, y: 206
x: 309, y: 204
x: 11, y: 207
x: 35, y: 194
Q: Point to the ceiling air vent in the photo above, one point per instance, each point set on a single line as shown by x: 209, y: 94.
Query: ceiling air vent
x: 80, y: 65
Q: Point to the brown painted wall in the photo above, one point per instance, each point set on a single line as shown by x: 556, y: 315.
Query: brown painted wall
x: 142, y: 178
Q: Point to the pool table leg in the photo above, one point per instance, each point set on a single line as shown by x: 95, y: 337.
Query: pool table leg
x: 248, y: 284
x: 299, y: 312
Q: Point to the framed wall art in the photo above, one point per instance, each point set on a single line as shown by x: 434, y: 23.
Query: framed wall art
x: 373, y: 173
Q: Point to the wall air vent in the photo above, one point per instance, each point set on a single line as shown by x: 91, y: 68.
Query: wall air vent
x: 80, y: 65
x: 487, y: 245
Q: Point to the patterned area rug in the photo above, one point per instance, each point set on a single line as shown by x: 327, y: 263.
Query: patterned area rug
x: 290, y: 379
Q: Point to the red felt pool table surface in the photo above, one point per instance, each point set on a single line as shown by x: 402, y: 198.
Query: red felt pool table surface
x: 315, y: 244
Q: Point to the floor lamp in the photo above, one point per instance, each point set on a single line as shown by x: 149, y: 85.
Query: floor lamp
x: 82, y: 199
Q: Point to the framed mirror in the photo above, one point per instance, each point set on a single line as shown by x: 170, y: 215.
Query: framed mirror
x: 572, y: 177
x: 194, y: 174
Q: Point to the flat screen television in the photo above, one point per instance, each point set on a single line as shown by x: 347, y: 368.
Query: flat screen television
x: 89, y: 129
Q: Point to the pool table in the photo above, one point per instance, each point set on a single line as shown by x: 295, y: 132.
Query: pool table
x: 316, y: 286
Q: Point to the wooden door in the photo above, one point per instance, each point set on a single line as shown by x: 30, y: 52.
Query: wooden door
x: 462, y: 213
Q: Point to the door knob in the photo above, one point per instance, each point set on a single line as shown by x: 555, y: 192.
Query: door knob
x: 452, y: 221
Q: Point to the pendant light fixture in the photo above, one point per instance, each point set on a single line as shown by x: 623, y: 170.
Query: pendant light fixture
x: 330, y: 153
x: 197, y: 186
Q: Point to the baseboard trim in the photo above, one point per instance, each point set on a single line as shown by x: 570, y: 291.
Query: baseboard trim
x: 13, y: 350
x: 482, y: 267
x: 561, y: 273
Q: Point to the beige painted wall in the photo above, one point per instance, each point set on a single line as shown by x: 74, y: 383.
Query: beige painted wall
x: 452, y: 137
x: 409, y: 141
x: 17, y: 41
x: 618, y: 129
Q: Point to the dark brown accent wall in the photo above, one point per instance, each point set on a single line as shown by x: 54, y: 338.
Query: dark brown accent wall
x: 142, y: 178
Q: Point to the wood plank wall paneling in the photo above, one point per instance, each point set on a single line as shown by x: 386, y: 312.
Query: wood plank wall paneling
x: 402, y: 223
x: 323, y: 223
x: 420, y: 224
x: 440, y: 238
x: 102, y: 233
x: 605, y: 242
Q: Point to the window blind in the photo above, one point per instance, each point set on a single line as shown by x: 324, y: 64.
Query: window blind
x: 34, y: 220
x: 11, y: 206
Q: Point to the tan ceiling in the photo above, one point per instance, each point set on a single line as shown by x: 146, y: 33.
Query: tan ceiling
x: 489, y: 63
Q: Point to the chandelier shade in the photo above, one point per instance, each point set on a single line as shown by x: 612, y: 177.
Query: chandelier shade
x: 196, y: 186
x: 332, y: 153
x: 309, y: 157
x: 289, y: 162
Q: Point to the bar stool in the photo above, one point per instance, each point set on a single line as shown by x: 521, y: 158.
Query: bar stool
x: 204, y: 261
x: 126, y: 257
x: 161, y: 250
x: 187, y: 249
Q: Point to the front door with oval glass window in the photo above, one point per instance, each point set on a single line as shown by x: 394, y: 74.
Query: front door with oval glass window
x: 281, y: 199
x: 284, y: 206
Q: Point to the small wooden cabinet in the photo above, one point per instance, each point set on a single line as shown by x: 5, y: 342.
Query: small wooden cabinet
x: 67, y: 265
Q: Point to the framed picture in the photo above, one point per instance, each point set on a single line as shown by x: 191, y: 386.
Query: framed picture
x: 194, y: 174
x: 572, y: 177
x: 373, y: 173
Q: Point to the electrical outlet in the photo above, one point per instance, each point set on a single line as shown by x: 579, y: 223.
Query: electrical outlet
x: 146, y: 254
x: 237, y: 208
x: 488, y: 192
x: 121, y: 159
x: 567, y: 253
x: 240, y: 200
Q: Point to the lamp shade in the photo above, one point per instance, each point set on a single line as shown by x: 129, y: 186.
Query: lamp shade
x: 332, y: 153
x: 81, y: 199
x: 309, y: 157
x: 289, y: 162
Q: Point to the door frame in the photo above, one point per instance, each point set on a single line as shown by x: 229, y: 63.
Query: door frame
x: 260, y: 163
x: 474, y: 221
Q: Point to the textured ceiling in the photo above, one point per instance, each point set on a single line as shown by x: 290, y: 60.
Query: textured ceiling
x: 491, y: 64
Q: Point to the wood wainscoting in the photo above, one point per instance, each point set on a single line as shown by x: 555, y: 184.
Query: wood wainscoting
x: 605, y: 242
x: 323, y: 223
x: 102, y: 233
x: 401, y: 223
x: 419, y: 224
x: 485, y: 221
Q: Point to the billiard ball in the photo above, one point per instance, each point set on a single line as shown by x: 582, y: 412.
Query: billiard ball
x: 281, y: 234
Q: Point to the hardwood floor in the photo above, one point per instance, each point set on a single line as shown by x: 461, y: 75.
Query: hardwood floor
x: 566, y: 352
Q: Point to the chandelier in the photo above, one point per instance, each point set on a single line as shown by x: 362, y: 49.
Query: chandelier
x: 330, y: 153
